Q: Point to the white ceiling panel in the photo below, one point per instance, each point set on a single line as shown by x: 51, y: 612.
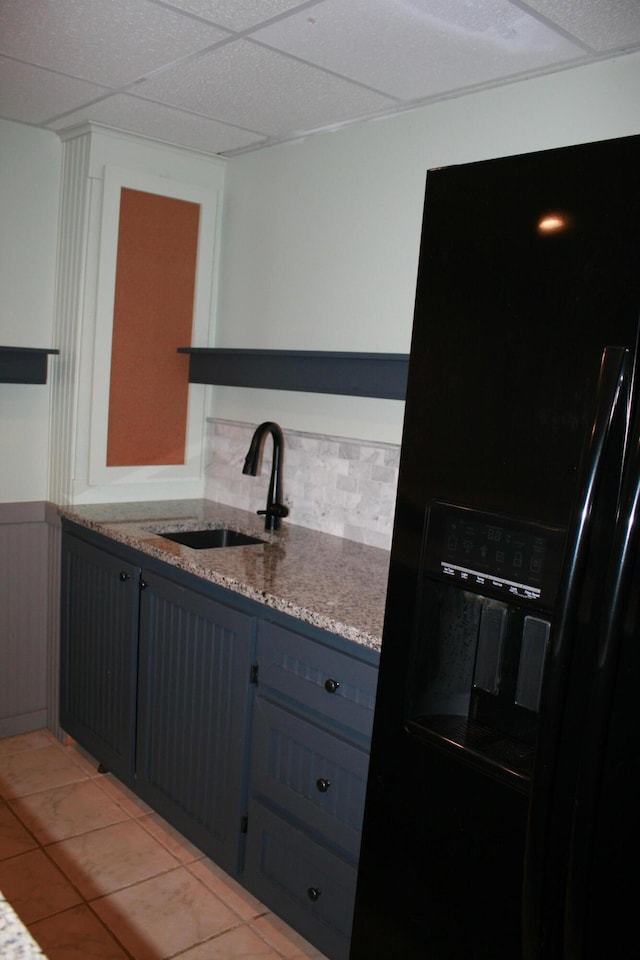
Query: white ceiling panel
x: 233, y: 75
x: 601, y: 24
x: 420, y: 49
x: 32, y: 95
x: 112, y: 42
x: 153, y: 120
x: 252, y: 86
x: 238, y: 15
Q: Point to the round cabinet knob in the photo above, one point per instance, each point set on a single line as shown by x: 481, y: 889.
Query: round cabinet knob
x: 313, y: 893
x: 323, y: 785
x: 331, y: 685
x: 124, y: 576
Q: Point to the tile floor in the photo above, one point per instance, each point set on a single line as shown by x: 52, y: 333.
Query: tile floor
x: 95, y: 874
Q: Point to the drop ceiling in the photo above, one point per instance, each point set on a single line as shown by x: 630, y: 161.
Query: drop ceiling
x: 227, y: 76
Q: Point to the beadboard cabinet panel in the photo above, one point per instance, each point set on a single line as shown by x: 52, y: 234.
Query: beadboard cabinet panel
x: 301, y: 881
x: 193, y: 701
x: 98, y: 654
x: 156, y: 685
x: 313, y: 715
x: 317, y: 778
x: 317, y: 678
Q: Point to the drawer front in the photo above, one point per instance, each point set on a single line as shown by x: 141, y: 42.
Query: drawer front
x: 332, y: 684
x: 313, y: 776
x: 311, y: 889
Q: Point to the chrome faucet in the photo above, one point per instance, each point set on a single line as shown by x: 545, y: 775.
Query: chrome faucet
x: 275, y: 508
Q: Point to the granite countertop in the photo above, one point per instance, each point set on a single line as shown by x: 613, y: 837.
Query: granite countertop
x: 16, y: 943
x: 338, y: 585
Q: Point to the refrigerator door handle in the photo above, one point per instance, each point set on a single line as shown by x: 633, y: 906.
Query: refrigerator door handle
x: 611, y: 393
x: 618, y: 586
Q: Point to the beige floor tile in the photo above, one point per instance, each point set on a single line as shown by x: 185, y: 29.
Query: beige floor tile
x: 41, y: 769
x: 238, y: 944
x: 14, y: 838
x: 169, y: 837
x: 132, y: 805
x: 67, y: 811
x: 230, y: 892
x: 80, y: 756
x: 26, y: 741
x: 76, y: 934
x: 109, y: 859
x: 34, y: 887
x: 165, y: 915
x: 157, y: 893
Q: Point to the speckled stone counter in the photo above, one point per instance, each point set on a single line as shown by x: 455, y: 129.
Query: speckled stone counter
x: 16, y: 943
x: 337, y: 585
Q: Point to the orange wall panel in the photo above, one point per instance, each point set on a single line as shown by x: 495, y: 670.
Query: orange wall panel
x: 153, y: 316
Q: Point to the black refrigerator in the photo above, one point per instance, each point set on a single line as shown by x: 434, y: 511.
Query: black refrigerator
x: 503, y: 806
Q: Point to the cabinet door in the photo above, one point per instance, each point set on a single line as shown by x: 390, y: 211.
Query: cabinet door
x: 193, y: 701
x: 98, y: 653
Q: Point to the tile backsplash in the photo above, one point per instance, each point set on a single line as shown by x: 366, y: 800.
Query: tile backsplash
x: 339, y: 486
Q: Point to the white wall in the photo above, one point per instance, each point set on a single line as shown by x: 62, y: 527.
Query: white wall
x: 321, y: 236
x: 320, y: 244
x: 30, y: 162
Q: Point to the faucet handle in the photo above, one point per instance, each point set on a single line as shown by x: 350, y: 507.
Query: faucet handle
x: 273, y: 514
x: 275, y: 510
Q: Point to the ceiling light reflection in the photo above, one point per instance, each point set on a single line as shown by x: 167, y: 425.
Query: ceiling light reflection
x: 552, y: 223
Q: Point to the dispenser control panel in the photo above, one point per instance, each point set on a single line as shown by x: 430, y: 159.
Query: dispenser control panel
x: 488, y: 553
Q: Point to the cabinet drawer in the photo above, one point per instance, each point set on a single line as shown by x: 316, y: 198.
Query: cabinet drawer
x: 315, y: 777
x: 308, y: 887
x: 333, y: 684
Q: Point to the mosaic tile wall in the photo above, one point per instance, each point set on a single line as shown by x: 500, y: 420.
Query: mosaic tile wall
x: 339, y: 486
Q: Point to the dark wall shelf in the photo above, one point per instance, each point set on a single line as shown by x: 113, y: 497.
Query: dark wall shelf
x: 24, y: 364
x: 382, y: 375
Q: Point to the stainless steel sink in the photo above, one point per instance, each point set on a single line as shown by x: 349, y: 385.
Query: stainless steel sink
x: 208, y: 539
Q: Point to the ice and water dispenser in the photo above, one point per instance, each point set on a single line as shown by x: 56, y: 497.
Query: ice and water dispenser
x: 481, y: 637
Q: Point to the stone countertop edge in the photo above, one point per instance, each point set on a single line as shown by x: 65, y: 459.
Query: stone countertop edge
x: 16, y: 943
x: 336, y: 584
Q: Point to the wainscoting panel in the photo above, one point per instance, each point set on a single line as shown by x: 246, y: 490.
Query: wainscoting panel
x: 24, y: 620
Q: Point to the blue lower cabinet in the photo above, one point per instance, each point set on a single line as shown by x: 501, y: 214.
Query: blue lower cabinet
x: 193, y: 710
x: 244, y: 728
x: 155, y: 685
x: 313, y: 714
x: 99, y: 653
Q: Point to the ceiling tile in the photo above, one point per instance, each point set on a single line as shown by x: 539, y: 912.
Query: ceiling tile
x: 264, y: 71
x: 32, y: 95
x: 258, y: 88
x: 419, y: 48
x: 602, y: 24
x: 236, y: 14
x: 162, y: 123
x: 112, y: 43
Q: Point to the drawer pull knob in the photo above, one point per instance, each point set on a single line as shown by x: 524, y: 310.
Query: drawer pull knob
x: 313, y: 893
x: 323, y: 785
x: 331, y: 685
x: 124, y: 576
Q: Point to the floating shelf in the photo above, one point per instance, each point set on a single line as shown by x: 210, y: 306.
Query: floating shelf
x: 24, y: 364
x: 382, y: 375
